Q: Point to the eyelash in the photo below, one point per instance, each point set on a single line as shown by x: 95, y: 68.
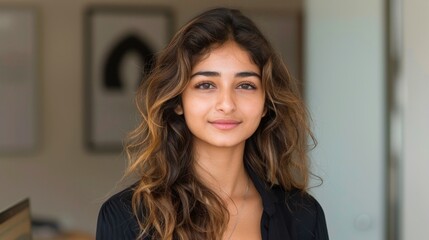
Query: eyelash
x: 211, y: 85
x: 201, y: 84
x: 250, y: 84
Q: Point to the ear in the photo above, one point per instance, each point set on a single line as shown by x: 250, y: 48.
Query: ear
x: 178, y: 110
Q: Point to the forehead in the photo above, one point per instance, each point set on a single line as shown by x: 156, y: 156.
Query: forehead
x: 226, y: 56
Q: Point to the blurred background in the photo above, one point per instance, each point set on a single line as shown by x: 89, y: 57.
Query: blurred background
x: 364, y: 68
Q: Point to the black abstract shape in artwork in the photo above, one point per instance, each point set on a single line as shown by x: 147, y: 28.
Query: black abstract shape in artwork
x: 131, y: 43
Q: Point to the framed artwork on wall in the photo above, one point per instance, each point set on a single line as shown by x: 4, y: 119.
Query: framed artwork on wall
x: 18, y: 79
x: 120, y: 42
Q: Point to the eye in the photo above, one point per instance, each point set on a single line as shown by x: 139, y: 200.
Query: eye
x: 247, y: 86
x: 204, y: 85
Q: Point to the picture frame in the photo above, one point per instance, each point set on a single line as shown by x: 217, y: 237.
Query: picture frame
x: 18, y: 79
x: 120, y: 42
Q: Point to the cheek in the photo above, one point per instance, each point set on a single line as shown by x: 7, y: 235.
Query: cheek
x: 193, y: 106
x: 254, y: 107
x: 194, y: 111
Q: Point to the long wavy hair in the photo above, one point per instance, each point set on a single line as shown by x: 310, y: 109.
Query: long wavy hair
x: 169, y: 201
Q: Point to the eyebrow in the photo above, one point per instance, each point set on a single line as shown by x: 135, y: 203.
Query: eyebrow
x: 217, y: 74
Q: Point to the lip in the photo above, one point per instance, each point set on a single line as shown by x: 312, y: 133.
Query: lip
x: 225, y: 124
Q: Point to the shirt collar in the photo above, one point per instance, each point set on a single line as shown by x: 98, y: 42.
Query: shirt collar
x: 269, y: 199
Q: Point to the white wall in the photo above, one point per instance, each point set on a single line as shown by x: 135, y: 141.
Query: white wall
x: 63, y: 179
x: 345, y: 90
x: 415, y: 75
x: 339, y: 51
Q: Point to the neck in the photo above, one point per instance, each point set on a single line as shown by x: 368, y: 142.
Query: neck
x: 222, y: 168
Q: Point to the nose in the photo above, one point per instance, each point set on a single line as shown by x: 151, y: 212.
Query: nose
x: 226, y: 101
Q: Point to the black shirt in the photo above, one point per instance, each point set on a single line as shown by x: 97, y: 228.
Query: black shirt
x: 287, y: 215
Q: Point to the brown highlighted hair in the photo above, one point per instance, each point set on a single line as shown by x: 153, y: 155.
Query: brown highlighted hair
x: 169, y: 201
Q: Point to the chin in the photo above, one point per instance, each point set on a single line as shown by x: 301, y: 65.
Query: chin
x: 226, y: 143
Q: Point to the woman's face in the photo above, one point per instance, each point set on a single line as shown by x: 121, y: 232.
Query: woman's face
x: 223, y: 102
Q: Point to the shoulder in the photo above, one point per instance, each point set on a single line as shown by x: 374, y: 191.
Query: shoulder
x: 116, y: 219
x: 297, y: 201
x: 305, y: 215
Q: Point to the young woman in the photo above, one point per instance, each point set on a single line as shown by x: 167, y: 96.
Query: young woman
x: 221, y: 152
